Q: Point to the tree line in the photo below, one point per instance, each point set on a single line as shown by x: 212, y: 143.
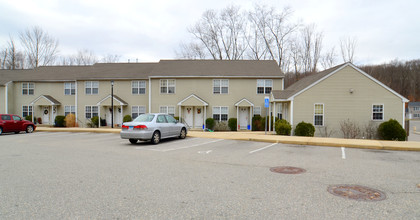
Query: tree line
x: 36, y: 47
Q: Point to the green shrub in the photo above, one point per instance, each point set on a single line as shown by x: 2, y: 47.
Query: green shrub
x: 283, y: 127
x: 257, y: 124
x: 59, y: 121
x: 232, y: 122
x: 127, y: 118
x: 305, y: 129
x: 94, y: 122
x: 221, y: 126
x: 28, y: 118
x: 392, y: 130
x: 176, y: 118
x: 210, y: 123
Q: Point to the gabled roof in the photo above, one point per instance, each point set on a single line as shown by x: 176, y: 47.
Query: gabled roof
x: 217, y: 68
x: 193, y: 99
x: 246, y: 101
x: 306, y: 83
x: 50, y: 100
x: 116, y: 98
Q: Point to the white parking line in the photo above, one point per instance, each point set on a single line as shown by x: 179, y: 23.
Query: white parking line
x: 179, y: 148
x: 251, y: 152
x: 343, y: 153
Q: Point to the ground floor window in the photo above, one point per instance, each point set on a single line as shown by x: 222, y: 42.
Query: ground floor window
x: 69, y: 109
x: 319, y: 114
x: 26, y: 110
x: 257, y: 110
x: 220, y: 113
x: 378, y: 112
x: 416, y: 115
x: 170, y: 110
x: 137, y: 110
x: 91, y: 111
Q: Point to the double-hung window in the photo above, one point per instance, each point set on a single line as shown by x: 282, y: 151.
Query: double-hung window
x: 319, y: 114
x: 91, y: 87
x: 26, y: 110
x: 138, y: 87
x: 137, y: 110
x: 69, y: 109
x: 220, y: 86
x: 91, y: 111
x: 378, y: 112
x: 264, y: 86
x: 220, y: 113
x: 167, y: 86
x: 170, y: 110
x: 416, y: 108
x: 28, y: 88
x: 69, y: 88
x: 257, y: 110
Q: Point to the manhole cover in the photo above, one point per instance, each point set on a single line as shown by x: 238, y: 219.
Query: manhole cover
x: 356, y: 192
x: 287, y: 170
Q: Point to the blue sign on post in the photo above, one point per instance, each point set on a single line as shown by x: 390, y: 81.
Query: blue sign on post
x: 266, y: 101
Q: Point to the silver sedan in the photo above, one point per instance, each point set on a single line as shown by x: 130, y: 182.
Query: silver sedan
x: 153, y: 127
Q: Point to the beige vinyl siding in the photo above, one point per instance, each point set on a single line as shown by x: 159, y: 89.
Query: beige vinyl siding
x: 239, y: 88
x: 340, y: 104
x: 2, y: 99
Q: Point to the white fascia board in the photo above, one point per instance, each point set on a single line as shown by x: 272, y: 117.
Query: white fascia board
x: 244, y: 100
x: 109, y: 96
x: 215, y: 76
x: 192, y: 95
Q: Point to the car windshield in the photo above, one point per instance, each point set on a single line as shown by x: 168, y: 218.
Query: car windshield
x: 144, y: 118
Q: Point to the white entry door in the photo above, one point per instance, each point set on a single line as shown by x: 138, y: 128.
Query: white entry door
x: 46, y: 115
x: 188, y: 116
x: 198, y: 117
x: 243, y: 117
x: 118, y: 115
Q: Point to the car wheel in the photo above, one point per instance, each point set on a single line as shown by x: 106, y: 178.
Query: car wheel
x: 29, y: 129
x: 17, y: 132
x: 133, y: 141
x: 183, y: 133
x: 156, y: 137
x: 1, y: 130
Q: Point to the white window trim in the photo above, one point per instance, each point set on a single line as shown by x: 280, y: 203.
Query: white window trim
x: 272, y: 85
x: 167, y: 86
x: 220, y: 80
x: 91, y: 113
x: 70, y: 88
x: 138, y: 87
x: 29, y: 112
x: 383, y: 112
x: 220, y: 114
x: 323, y: 114
x: 167, y: 109
x: 71, y: 112
x: 28, y: 88
x: 138, y: 107
x: 416, y: 108
x: 91, y: 91
x: 257, y: 107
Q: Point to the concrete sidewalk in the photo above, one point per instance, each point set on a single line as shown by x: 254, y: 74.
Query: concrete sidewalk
x: 271, y: 138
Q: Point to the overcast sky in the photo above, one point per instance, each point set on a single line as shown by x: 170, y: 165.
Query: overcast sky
x: 152, y: 30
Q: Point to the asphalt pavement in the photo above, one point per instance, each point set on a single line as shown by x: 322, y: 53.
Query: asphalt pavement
x: 50, y: 175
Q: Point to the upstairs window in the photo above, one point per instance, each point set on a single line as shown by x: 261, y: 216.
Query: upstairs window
x: 378, y: 112
x: 70, y: 88
x: 138, y: 87
x: 92, y: 87
x: 220, y: 86
x: 319, y: 115
x: 28, y: 88
x: 416, y: 108
x: 167, y: 86
x: 264, y: 86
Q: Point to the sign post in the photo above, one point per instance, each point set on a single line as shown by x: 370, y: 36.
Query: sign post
x: 266, y: 105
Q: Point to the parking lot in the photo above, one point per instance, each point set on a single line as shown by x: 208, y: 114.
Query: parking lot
x: 47, y: 175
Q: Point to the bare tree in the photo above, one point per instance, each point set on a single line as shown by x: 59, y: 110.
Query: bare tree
x: 348, y: 47
x: 311, y: 50
x: 191, y: 51
x: 85, y: 57
x: 328, y: 59
x: 3, y: 57
x: 40, y: 47
x: 110, y: 58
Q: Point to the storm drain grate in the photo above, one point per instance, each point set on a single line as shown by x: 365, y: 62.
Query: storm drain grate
x: 356, y: 192
x: 287, y: 170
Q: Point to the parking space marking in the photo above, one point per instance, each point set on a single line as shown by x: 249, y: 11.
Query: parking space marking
x: 179, y: 148
x: 343, y: 153
x: 204, y: 152
x: 251, y: 152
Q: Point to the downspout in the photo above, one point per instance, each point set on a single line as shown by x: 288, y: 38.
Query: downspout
x: 150, y: 95
x: 7, y: 98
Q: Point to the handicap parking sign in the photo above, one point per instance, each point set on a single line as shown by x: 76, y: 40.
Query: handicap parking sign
x: 266, y: 101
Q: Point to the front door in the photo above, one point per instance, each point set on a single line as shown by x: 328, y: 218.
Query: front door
x: 46, y: 115
x: 198, y: 117
x: 188, y: 116
x: 243, y: 117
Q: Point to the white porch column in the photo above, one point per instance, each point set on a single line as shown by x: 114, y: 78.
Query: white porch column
x: 121, y: 114
x: 180, y: 114
x: 274, y: 114
x: 251, y: 110
x: 291, y: 116
x: 237, y: 118
x: 99, y: 114
x: 205, y: 116
x: 51, y: 116
x: 269, y: 117
x: 33, y: 113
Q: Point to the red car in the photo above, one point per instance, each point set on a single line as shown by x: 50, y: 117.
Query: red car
x: 14, y: 123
